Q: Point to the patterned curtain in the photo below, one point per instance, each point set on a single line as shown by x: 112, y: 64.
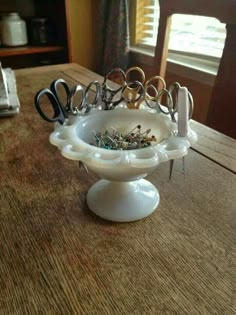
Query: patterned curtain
x: 112, y: 35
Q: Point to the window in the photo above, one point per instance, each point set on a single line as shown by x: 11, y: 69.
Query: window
x: 193, y: 36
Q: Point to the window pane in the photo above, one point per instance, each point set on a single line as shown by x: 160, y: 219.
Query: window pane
x: 197, y: 34
x: 150, y: 13
x: 189, y: 33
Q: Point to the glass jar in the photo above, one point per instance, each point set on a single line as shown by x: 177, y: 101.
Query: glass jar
x: 13, y: 30
x: 40, y: 30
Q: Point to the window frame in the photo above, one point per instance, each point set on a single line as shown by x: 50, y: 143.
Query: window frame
x: 200, y: 62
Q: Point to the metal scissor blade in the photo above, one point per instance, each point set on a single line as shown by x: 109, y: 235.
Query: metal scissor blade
x: 172, y: 164
x: 171, y: 168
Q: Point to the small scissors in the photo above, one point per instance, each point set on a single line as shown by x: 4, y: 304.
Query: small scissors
x: 109, y: 92
x: 152, y: 84
x: 88, y: 95
x: 131, y: 93
x: 61, y: 110
x: 129, y: 89
x: 172, y: 99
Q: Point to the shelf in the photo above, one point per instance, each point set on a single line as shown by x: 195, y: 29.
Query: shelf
x: 27, y: 50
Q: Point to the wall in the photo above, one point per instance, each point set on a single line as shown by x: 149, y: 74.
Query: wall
x: 201, y: 94
x: 25, y: 8
x: 80, y: 21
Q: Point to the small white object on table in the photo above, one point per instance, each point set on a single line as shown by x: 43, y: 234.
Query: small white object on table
x: 9, y: 102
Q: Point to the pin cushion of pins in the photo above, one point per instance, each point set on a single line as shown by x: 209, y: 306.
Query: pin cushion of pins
x: 122, y: 133
x: 117, y: 140
x: 122, y: 194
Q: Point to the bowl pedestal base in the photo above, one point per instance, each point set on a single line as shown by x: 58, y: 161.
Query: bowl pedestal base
x: 123, y: 201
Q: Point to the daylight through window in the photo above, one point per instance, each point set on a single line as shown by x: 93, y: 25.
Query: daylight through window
x: 189, y: 33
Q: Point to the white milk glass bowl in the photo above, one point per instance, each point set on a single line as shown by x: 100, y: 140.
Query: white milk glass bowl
x: 122, y: 195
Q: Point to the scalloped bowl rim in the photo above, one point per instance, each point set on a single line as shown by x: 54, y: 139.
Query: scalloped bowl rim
x: 66, y: 137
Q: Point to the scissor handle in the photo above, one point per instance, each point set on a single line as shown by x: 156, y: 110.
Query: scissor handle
x: 107, y: 88
x: 86, y: 103
x: 77, y: 89
x: 54, y: 88
x: 170, y: 105
x: 97, y: 92
x: 148, y: 97
x: 58, y: 111
x: 155, y: 82
x: 135, y: 69
x: 174, y: 87
x: 134, y: 87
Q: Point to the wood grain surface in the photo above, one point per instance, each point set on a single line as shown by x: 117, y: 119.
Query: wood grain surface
x: 28, y: 50
x: 56, y: 257
x: 215, y: 145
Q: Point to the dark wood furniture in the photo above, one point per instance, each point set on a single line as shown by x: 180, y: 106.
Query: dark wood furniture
x: 222, y: 110
x: 56, y: 51
x: 59, y: 258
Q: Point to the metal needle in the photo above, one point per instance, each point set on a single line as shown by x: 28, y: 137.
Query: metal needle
x: 183, y: 166
x: 171, y: 168
x: 172, y: 164
x: 81, y: 164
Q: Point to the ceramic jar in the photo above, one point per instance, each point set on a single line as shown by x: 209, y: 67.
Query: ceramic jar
x: 14, y: 31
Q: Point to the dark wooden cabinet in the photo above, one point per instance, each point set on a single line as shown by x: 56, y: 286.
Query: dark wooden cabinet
x: 55, y: 51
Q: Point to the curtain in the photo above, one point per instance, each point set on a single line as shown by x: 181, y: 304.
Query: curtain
x: 112, y: 35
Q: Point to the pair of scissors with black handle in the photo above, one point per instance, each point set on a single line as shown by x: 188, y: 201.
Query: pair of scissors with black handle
x: 61, y: 110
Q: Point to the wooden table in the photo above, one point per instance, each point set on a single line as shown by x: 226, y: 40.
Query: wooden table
x: 56, y: 257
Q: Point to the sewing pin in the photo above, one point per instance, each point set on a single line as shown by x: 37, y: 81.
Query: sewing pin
x: 131, y: 131
x: 183, y: 165
x: 82, y: 165
x: 113, y: 141
x: 146, y: 132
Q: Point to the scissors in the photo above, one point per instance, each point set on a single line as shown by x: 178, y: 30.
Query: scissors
x: 152, y: 92
x: 131, y: 94
x: 172, y: 101
x: 152, y: 84
x: 108, y: 91
x: 61, y: 110
x: 126, y: 90
x: 138, y: 70
x: 133, y: 91
x: 171, y: 95
x: 91, y: 97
